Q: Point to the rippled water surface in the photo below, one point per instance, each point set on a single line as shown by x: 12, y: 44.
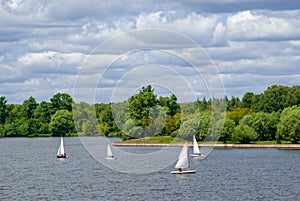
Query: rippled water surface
x: 31, y: 171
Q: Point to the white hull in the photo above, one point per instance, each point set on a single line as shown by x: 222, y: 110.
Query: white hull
x: 110, y: 158
x: 195, y: 155
x: 184, y: 172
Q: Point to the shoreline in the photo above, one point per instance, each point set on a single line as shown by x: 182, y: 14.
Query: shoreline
x: 278, y: 146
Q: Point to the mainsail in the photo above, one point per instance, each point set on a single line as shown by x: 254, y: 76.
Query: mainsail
x: 195, y: 146
x: 183, y: 160
x: 61, y: 150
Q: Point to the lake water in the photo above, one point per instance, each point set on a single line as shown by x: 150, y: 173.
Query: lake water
x: 31, y: 171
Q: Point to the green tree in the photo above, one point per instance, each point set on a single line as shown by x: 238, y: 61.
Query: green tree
x: 233, y: 103
x: 244, y: 134
x: 237, y: 114
x: 265, y: 125
x: 120, y: 115
x: 204, y: 124
x: 11, y: 130
x: 29, y: 107
x: 173, y: 106
x: 3, y: 111
x: 189, y: 127
x: 293, y: 97
x: 14, y: 112
x: 274, y: 98
x: 228, y: 129
x: 43, y: 112
x: 61, y: 101
x: 256, y: 102
x: 62, y: 123
x: 170, y: 104
x: 89, y: 127
x: 172, y: 125
x: 105, y: 118
x: 140, y: 105
x: 131, y: 130
x: 203, y: 105
x: 247, y: 100
x: 189, y: 108
x: 289, y: 125
x: 248, y: 120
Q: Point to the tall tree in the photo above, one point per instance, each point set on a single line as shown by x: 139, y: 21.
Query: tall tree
x: 43, y: 112
x: 228, y: 129
x: 293, y: 97
x: 173, y: 106
x: 3, y: 111
x: 233, y: 103
x: 29, y: 107
x: 62, y: 123
x: 247, y: 100
x: 244, y: 134
x: 289, y: 125
x: 140, y: 105
x: 274, y: 98
x: 237, y: 114
x: 61, y: 101
x: 203, y: 105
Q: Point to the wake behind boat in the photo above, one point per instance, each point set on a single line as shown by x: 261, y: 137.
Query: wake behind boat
x: 183, y: 162
x: 61, y: 150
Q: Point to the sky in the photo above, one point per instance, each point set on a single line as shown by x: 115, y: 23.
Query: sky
x: 105, y: 51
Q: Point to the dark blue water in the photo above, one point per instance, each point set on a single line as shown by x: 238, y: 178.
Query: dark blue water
x: 31, y: 171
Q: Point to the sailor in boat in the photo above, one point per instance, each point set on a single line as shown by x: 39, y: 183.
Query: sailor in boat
x: 179, y: 169
x: 62, y: 155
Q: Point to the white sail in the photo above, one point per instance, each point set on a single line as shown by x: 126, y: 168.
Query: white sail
x: 109, y: 152
x: 61, y: 150
x: 195, y: 146
x: 183, y: 160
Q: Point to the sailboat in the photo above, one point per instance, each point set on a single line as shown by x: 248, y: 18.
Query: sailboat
x: 61, y: 150
x: 183, y: 162
x: 109, y: 154
x: 196, y: 150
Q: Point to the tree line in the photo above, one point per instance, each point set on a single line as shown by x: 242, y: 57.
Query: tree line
x: 37, y: 119
x: 273, y: 115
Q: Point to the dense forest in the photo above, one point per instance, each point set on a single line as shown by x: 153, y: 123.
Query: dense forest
x: 273, y: 115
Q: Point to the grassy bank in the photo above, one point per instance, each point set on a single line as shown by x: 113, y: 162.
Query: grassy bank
x: 155, y: 140
x: 169, y: 139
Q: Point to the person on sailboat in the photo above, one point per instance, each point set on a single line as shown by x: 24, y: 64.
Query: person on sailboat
x: 179, y: 169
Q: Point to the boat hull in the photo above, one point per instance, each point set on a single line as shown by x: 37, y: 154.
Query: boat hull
x: 184, y: 172
x: 195, y: 155
x: 61, y: 156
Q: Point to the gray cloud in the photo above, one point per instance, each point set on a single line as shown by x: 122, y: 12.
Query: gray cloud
x: 43, y: 44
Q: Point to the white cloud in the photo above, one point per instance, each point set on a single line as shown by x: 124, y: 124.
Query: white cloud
x: 9, y: 74
x: 196, y: 26
x: 44, y: 43
x: 249, y: 25
x: 51, y: 62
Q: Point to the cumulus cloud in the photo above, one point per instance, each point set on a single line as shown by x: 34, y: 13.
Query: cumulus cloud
x: 247, y: 25
x: 51, y: 62
x: 45, y: 44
